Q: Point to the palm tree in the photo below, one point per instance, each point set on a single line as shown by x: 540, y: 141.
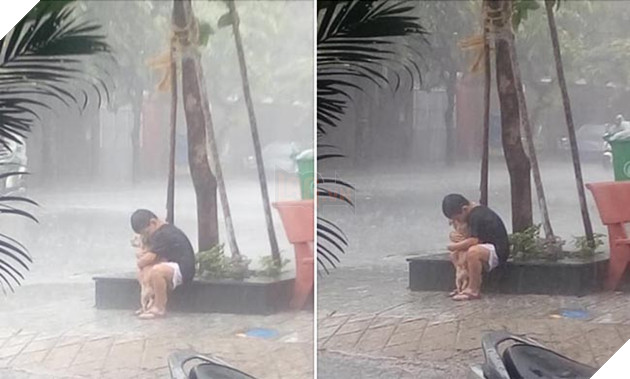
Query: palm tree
x: 234, y: 21
x: 531, y: 148
x: 356, y: 40
x: 170, y: 189
x: 204, y: 180
x: 553, y: 32
x: 499, y: 16
x: 42, y: 61
x: 188, y: 37
x: 487, y: 82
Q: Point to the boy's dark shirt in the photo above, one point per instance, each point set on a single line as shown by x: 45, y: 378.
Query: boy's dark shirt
x: 172, y: 245
x: 487, y: 226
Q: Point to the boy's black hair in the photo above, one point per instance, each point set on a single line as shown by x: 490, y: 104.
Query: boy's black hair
x: 140, y: 219
x: 453, y: 204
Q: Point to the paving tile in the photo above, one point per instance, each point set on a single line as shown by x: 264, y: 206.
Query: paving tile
x: 356, y: 324
x: 402, y: 351
x: 332, y: 321
x: 29, y: 359
x: 87, y: 369
x: 19, y: 340
x: 70, y: 340
x: 604, y: 340
x: 343, y: 342
x: 374, y: 339
x: 61, y: 357
x: 438, y: 342
x: 10, y: 351
x: 125, y: 355
x: 40, y: 345
x: 93, y: 350
x: 407, y: 331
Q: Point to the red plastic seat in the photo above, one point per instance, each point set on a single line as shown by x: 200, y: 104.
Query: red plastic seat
x: 613, y: 203
x: 298, y: 219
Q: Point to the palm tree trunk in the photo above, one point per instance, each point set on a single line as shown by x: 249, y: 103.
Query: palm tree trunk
x: 170, y: 191
x: 588, y: 228
x: 483, y: 199
x: 515, y: 157
x: 136, y: 108
x: 451, y: 85
x: 273, y: 242
x: 527, y: 128
x: 215, y: 159
x: 204, y: 181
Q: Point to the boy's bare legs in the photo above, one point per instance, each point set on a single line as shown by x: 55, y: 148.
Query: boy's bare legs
x: 161, y: 281
x: 476, y: 256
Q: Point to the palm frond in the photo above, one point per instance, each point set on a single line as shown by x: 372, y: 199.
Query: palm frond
x: 43, y: 59
x: 358, y: 42
x: 327, y: 253
x: 358, y: 39
x: 14, y: 257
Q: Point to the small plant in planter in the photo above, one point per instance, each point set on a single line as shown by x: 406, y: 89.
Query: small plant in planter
x: 584, y: 250
x: 213, y: 264
x: 528, y: 245
x: 271, y: 268
x: 239, y: 267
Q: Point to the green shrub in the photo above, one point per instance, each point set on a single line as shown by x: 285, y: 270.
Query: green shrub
x: 528, y: 245
x: 238, y: 267
x: 584, y: 250
x: 270, y: 267
x: 213, y: 264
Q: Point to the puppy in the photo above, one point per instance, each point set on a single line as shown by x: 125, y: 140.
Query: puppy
x: 461, y: 274
x: 459, y: 234
x: 146, y: 292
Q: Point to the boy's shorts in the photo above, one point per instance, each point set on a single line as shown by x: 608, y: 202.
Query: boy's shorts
x: 177, y: 274
x: 493, y: 260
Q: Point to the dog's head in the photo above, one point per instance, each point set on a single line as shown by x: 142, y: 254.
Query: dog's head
x: 136, y: 241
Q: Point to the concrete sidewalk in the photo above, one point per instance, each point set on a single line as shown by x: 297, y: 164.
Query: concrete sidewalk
x: 403, y: 334
x: 452, y: 346
x: 64, y: 336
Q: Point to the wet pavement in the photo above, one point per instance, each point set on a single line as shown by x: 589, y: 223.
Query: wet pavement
x: 428, y: 335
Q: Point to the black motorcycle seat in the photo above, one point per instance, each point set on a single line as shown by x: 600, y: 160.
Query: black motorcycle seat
x: 533, y: 362
x: 213, y: 371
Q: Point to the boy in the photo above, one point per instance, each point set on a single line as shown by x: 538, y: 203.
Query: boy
x: 487, y: 246
x: 169, y: 255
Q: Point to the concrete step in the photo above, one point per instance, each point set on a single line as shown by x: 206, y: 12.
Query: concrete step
x: 256, y: 295
x: 566, y: 277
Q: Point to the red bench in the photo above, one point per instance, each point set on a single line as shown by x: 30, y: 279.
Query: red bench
x: 613, y: 204
x: 298, y: 221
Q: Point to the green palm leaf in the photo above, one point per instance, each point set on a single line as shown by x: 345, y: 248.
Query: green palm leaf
x: 14, y: 257
x: 356, y: 41
x: 42, y: 60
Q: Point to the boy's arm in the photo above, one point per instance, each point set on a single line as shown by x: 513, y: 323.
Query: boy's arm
x: 463, y: 245
x: 148, y: 258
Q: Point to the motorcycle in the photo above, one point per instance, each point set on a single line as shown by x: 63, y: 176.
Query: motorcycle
x: 525, y: 358
x: 205, y: 367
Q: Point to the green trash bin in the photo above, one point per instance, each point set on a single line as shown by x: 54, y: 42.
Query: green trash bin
x: 621, y: 159
x: 306, y: 170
